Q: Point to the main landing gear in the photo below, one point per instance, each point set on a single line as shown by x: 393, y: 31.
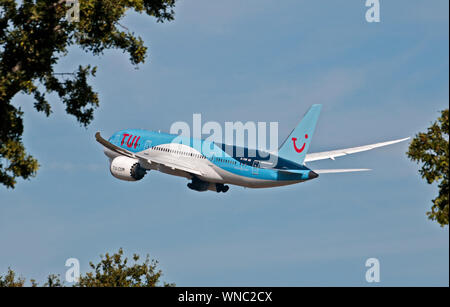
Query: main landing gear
x: 220, y: 187
x: 200, y: 185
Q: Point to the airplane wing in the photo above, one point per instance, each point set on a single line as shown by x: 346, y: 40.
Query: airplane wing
x: 342, y: 152
x: 113, y: 147
x: 175, y: 165
x: 332, y: 171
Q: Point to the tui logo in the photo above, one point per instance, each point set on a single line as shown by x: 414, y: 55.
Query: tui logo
x: 130, y: 141
x: 299, y: 150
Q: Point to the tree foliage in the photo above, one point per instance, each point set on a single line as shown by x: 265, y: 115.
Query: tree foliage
x: 430, y: 149
x: 112, y: 271
x: 11, y: 280
x: 34, y: 36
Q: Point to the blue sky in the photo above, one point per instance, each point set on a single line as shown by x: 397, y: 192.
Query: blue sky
x: 259, y: 61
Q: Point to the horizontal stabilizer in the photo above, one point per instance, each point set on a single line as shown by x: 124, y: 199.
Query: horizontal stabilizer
x: 333, y: 171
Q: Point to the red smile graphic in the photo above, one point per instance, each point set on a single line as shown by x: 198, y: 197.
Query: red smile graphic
x: 299, y: 150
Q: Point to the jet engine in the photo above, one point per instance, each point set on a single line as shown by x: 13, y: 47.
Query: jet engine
x: 128, y: 169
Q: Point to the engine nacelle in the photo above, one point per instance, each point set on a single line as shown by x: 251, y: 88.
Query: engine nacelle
x: 128, y: 169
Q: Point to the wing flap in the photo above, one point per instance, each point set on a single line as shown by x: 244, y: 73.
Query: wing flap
x: 171, y: 164
x: 343, y: 152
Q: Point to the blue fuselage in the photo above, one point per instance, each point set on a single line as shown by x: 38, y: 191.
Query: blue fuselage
x: 220, y: 163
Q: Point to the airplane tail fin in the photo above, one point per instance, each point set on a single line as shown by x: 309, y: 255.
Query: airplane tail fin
x: 297, y: 143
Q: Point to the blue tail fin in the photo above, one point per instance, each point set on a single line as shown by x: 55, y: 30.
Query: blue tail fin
x: 296, y: 146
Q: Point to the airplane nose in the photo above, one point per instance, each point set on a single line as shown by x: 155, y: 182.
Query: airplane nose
x: 312, y: 175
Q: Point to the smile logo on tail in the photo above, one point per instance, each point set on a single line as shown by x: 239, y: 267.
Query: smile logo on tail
x: 299, y: 150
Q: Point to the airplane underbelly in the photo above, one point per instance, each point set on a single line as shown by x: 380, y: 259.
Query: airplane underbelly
x: 250, y: 182
x: 210, y: 173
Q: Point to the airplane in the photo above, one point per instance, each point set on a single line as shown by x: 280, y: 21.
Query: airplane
x: 211, y: 166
